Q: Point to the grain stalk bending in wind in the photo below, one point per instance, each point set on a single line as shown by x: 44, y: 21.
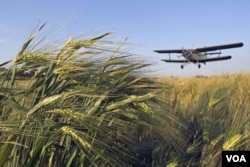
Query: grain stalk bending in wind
x: 87, y: 110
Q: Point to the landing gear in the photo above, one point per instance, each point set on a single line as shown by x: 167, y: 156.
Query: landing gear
x: 199, y: 66
x: 182, y: 66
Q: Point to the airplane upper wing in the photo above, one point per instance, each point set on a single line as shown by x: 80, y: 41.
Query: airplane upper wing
x: 200, y: 61
x: 169, y: 51
x: 204, y: 49
x: 219, y: 47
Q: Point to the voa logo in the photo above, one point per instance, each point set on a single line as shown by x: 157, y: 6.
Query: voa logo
x: 236, y: 158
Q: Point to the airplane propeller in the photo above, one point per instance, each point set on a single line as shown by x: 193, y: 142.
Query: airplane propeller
x: 186, y: 53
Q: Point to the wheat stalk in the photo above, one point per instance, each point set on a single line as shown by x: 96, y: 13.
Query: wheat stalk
x: 231, y: 142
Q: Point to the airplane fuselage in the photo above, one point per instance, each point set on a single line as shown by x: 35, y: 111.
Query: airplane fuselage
x: 194, y: 56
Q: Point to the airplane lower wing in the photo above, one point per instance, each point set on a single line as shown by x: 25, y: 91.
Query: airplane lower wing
x: 214, y: 59
x: 174, y: 61
x: 198, y: 61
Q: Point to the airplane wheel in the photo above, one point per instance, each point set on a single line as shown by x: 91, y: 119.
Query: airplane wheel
x: 199, y: 66
x: 182, y: 66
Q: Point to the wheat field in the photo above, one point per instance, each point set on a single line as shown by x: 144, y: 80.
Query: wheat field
x: 94, y: 107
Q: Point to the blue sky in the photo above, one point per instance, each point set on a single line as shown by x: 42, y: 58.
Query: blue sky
x: 149, y: 25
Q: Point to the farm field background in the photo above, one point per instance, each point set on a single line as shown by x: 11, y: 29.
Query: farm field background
x: 103, y: 111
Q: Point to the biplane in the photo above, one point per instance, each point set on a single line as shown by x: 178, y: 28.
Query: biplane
x: 199, y: 55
